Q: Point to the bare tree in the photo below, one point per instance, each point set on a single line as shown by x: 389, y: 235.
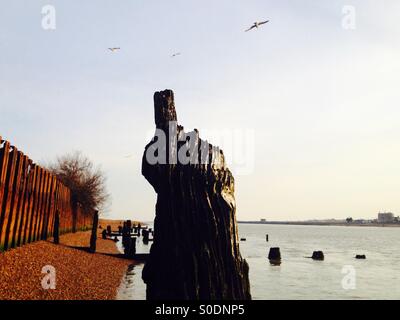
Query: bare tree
x: 86, y: 182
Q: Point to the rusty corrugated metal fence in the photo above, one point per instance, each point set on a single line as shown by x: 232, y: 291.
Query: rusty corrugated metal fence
x: 30, y: 198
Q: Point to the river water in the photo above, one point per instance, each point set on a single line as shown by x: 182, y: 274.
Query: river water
x: 132, y: 286
x: 339, y: 276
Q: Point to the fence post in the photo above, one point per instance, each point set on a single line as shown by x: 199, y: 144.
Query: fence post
x: 93, y: 238
x: 74, y: 214
x: 57, y: 228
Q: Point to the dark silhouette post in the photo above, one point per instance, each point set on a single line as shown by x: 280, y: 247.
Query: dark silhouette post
x: 145, y: 234
x: 195, y: 254
x: 109, y: 231
x: 74, y: 213
x: 130, y: 248
x: 318, y: 255
x: 93, y: 238
x: 274, y: 256
x: 56, y: 233
x: 129, y: 225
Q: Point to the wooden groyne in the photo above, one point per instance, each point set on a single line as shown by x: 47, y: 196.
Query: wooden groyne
x: 30, y: 199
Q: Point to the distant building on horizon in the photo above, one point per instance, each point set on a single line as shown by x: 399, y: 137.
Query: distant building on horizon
x: 263, y: 220
x: 385, y: 217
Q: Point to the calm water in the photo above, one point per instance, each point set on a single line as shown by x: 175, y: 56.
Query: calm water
x: 132, y: 286
x: 297, y: 277
x: 378, y: 277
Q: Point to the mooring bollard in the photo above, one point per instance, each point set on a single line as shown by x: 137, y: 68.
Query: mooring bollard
x: 318, y: 255
x: 274, y: 256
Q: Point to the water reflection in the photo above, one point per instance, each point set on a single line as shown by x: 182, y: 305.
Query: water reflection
x: 132, y: 286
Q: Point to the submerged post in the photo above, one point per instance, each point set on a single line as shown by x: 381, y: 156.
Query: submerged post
x: 195, y: 254
x: 274, y: 256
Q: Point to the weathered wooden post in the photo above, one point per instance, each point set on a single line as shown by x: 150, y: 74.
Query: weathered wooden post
x: 93, y: 238
x: 56, y: 233
x: 145, y: 234
x: 74, y: 213
x: 126, y: 235
x: 130, y: 249
x: 195, y: 218
x: 129, y: 225
x: 274, y: 256
x: 318, y: 255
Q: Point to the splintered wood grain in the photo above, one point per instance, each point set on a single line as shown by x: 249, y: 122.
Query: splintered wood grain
x: 79, y: 275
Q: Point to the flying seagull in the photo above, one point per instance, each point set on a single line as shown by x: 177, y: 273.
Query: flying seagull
x: 113, y: 49
x: 176, y: 54
x: 256, y: 25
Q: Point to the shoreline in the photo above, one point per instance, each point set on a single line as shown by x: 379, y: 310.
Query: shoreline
x: 322, y: 224
x: 79, y: 275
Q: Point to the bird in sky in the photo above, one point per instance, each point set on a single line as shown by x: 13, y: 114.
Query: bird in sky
x: 256, y: 25
x: 114, y: 49
x: 176, y: 54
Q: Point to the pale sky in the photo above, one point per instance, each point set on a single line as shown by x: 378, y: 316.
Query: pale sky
x: 322, y: 101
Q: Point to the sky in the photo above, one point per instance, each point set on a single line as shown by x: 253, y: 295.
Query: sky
x: 306, y: 107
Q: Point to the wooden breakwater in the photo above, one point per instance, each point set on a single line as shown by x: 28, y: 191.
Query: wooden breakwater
x: 30, y: 199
